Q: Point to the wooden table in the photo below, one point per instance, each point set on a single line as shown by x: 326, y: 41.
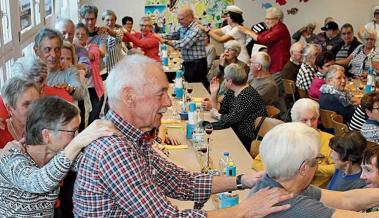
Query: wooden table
x: 222, y: 140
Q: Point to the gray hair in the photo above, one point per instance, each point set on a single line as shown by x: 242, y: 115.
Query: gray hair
x: 148, y: 19
x: 276, y: 12
x: 43, y: 114
x: 46, y: 33
x: 31, y: 68
x: 88, y: 9
x: 310, y: 51
x: 332, y: 70
x: 69, y: 46
x: 63, y: 22
x: 297, y: 46
x: 14, y: 88
x: 108, y: 13
x: 285, y: 147
x: 302, y: 105
x: 131, y: 71
x: 187, y: 11
x: 234, y: 45
x: 364, y: 33
x: 263, y: 59
x: 236, y: 73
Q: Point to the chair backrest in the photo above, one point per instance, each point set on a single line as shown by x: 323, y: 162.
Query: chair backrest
x: 272, y: 111
x: 289, y: 87
x: 302, y: 93
x: 326, y: 118
x: 338, y: 125
x: 267, y: 124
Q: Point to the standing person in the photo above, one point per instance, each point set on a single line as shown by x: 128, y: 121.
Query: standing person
x: 30, y: 179
x: 231, y: 31
x: 97, y: 35
x: 278, y: 41
x: 114, y: 38
x: 374, y: 24
x: 332, y: 40
x: 123, y: 176
x: 145, y: 39
x: 127, y: 26
x: 191, y: 42
x: 211, y: 52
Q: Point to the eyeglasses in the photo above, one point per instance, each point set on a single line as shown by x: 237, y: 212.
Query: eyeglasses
x: 66, y: 130
x: 346, y: 33
x: 315, y: 161
x: 371, y: 39
x: 143, y: 25
x: 270, y: 18
x: 230, y: 49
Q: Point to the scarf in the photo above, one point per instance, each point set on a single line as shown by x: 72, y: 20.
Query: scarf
x: 344, y: 97
x: 95, y: 65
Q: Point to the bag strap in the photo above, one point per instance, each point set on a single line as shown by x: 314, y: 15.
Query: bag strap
x: 258, y: 127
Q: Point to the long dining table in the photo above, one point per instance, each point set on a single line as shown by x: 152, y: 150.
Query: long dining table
x: 221, y: 141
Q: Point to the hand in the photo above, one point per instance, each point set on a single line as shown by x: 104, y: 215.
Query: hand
x: 102, y: 30
x: 243, y: 29
x: 13, y: 145
x: 250, y: 179
x: 215, y: 85
x: 262, y: 203
x: 2, y: 124
x: 169, y: 140
x: 97, y: 129
x: 206, y: 104
x: 203, y: 28
x: 222, y: 59
x: 215, y: 114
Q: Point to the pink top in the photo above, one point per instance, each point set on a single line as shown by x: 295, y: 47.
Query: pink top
x: 314, y: 89
x: 149, y: 44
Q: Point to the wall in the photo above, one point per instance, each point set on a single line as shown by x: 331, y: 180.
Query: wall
x: 355, y: 12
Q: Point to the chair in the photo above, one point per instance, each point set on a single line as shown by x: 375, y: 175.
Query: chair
x: 326, y: 118
x: 272, y: 111
x: 262, y: 127
x: 338, y: 125
x: 302, y: 93
x: 289, y: 89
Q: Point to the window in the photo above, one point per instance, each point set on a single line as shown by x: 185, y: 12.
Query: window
x: 25, y: 14
x: 5, y: 25
x: 28, y: 50
x: 8, y: 68
x: 48, y: 7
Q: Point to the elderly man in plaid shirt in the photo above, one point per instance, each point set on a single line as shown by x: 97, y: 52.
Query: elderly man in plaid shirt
x: 191, y: 42
x: 123, y: 176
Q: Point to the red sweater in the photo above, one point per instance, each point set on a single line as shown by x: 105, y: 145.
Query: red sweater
x: 278, y: 42
x: 149, y: 44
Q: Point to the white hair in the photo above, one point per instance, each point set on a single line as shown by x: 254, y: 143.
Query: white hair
x: 276, y: 12
x: 332, y: 70
x: 285, y: 147
x: 297, y: 46
x: 310, y: 51
x: 302, y: 106
x: 131, y: 71
x: 263, y: 59
x: 62, y: 23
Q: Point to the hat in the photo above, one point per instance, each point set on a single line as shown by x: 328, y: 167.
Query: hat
x: 376, y: 10
x: 233, y: 9
x: 330, y: 26
x: 234, y: 45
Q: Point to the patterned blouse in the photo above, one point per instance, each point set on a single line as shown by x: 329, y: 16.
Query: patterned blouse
x: 27, y: 190
x: 305, y: 76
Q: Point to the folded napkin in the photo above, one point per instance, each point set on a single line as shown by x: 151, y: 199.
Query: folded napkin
x: 174, y: 126
x: 196, y: 99
x: 173, y: 147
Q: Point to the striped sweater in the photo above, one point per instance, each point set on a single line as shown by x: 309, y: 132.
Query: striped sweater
x: 27, y: 190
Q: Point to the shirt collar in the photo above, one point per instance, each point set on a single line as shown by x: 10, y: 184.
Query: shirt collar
x: 371, y: 121
x: 129, y: 131
x: 295, y: 62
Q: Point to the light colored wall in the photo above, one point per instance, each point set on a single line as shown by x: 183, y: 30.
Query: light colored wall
x: 356, y: 12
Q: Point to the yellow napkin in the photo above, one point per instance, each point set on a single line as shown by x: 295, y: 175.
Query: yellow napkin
x: 170, y: 121
x: 174, y: 126
x: 196, y: 99
x: 174, y: 147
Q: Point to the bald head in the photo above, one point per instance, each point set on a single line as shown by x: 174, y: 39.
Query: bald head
x: 296, y: 51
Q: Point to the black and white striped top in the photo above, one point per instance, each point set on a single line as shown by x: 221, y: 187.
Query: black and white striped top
x: 358, y: 119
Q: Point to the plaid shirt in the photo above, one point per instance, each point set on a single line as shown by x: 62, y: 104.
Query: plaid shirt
x: 122, y: 176
x: 305, y: 76
x: 191, y: 42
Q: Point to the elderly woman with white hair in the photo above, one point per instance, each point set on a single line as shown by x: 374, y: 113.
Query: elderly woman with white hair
x: 291, y: 155
x: 306, y: 111
x: 333, y: 97
x: 277, y: 39
x: 240, y: 107
x: 308, y: 68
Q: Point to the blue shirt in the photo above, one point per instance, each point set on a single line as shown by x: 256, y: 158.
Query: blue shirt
x: 342, y: 182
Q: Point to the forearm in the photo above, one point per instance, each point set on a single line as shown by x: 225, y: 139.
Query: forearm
x: 71, y: 151
x: 214, y: 101
x: 357, y: 199
x: 226, y: 212
x: 223, y: 184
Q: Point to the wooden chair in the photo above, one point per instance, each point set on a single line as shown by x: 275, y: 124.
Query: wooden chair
x: 302, y: 93
x: 338, y: 125
x: 272, y: 111
x: 289, y: 88
x: 267, y: 124
x: 326, y: 118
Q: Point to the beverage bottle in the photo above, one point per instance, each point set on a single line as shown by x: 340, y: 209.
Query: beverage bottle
x: 231, y: 169
x: 179, y: 84
x: 164, y: 55
x: 223, y: 163
x: 370, y: 80
x: 191, y: 120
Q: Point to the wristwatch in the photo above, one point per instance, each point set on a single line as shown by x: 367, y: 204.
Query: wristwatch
x: 239, y: 182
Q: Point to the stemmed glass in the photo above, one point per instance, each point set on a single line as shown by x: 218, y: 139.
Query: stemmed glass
x: 208, y: 130
x: 189, y: 90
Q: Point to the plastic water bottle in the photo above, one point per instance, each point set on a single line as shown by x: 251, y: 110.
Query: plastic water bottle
x: 164, y: 55
x: 370, y: 80
x: 179, y: 84
x: 223, y: 163
x: 191, y: 120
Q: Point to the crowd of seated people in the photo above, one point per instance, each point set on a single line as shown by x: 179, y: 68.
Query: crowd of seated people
x: 49, y: 115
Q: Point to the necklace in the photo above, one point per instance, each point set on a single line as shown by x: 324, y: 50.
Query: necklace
x: 13, y: 130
